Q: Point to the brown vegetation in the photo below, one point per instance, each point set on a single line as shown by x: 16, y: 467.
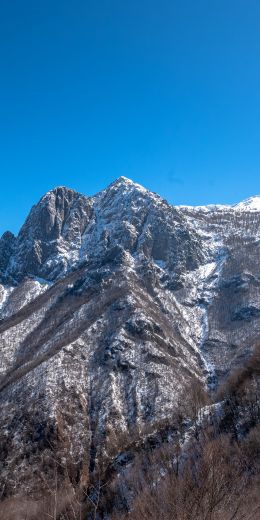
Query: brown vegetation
x: 191, y: 467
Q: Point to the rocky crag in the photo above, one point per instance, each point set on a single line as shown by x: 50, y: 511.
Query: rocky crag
x: 109, y: 305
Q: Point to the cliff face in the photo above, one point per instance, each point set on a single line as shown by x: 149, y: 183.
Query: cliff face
x: 109, y: 306
x: 50, y: 238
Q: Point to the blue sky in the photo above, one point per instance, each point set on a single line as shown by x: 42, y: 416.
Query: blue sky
x: 164, y: 92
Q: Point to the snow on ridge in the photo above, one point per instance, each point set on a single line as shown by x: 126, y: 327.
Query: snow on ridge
x: 128, y: 183
x: 126, y: 187
x: 250, y: 204
x: 206, y: 209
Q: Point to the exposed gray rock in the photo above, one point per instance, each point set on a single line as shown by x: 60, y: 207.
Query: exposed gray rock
x: 51, y: 237
x: 247, y: 313
x: 109, y: 305
x: 7, y: 247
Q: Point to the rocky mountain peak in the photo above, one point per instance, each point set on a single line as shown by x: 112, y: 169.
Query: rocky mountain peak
x: 109, y: 306
x: 125, y: 186
x: 123, y: 181
x: 58, y: 200
x: 51, y: 235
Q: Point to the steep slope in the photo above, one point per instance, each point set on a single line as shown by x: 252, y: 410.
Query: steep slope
x: 109, y: 306
x: 232, y: 322
x: 50, y: 239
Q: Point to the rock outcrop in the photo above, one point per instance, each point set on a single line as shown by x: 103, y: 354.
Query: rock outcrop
x: 109, y: 306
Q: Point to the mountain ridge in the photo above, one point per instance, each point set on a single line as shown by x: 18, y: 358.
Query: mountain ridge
x: 109, y: 306
x: 252, y: 202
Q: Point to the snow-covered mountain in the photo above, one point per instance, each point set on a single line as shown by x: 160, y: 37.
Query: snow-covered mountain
x: 109, y: 305
x: 251, y: 204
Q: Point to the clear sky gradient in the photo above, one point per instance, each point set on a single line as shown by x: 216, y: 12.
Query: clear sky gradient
x: 164, y: 92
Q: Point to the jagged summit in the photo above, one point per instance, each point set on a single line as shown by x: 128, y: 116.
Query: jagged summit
x: 109, y: 305
x: 59, y: 191
x: 122, y: 180
x: 125, y: 184
x: 65, y: 226
x: 51, y: 235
